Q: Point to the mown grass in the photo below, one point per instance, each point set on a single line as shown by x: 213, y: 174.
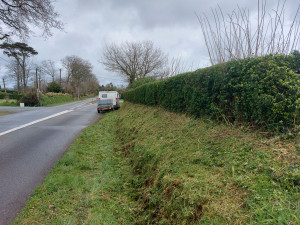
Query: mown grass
x: 151, y: 166
x: 10, y: 102
x: 47, y: 100
x: 53, y: 100
x: 86, y: 186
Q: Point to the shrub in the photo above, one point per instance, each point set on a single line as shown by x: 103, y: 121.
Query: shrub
x: 30, y: 99
x: 54, y: 87
x: 263, y: 91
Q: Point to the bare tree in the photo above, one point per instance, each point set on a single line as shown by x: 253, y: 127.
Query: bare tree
x: 3, y: 79
x: 235, y: 37
x: 91, y: 85
x: 175, y: 66
x: 18, y: 75
x: 133, y: 60
x: 14, y: 72
x: 16, y: 17
x: 78, y: 71
x: 49, y: 68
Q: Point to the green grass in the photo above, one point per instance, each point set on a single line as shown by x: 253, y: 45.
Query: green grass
x: 47, y: 100
x: 151, y: 166
x: 10, y: 102
x: 86, y: 186
x: 59, y: 99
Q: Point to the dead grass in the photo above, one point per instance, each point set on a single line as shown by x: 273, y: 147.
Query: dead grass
x: 3, y: 113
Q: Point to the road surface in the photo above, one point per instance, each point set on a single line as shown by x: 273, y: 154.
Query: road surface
x: 31, y: 141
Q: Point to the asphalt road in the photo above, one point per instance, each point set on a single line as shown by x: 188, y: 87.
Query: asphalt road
x: 31, y: 141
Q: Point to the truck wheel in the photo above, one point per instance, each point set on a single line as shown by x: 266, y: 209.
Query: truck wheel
x: 98, y: 111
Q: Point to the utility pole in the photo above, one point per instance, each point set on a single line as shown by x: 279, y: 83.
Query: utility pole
x: 3, y: 79
x: 60, y: 77
x: 37, y: 85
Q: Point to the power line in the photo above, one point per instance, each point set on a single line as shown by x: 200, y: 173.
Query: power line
x: 4, y: 59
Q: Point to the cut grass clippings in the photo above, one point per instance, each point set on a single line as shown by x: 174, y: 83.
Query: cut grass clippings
x: 144, y: 165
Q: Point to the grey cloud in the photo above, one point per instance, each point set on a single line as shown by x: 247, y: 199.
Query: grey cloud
x: 170, y: 24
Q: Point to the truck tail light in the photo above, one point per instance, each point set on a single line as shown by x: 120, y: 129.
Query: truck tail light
x: 117, y: 99
x: 98, y: 98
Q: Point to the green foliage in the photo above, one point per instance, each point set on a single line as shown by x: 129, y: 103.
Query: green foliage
x: 261, y: 91
x: 9, y: 102
x: 30, y: 99
x: 10, y: 95
x: 54, y: 87
x: 51, y: 99
x: 141, y: 81
x: 17, y: 49
x: 295, y: 60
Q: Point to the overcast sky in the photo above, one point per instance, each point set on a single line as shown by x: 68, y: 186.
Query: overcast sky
x: 170, y: 24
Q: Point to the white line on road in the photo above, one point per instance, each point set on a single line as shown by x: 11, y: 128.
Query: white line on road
x: 34, y: 122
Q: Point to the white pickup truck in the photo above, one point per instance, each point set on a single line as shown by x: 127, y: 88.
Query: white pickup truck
x: 109, y: 95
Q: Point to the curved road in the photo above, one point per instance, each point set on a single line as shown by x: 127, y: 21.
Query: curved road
x: 31, y: 141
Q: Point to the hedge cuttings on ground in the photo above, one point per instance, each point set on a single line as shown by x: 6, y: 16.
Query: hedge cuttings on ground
x: 263, y: 91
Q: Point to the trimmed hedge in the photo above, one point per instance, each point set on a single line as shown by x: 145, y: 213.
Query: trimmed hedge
x: 263, y: 91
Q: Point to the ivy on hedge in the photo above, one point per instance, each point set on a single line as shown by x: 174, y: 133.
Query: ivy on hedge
x: 263, y: 91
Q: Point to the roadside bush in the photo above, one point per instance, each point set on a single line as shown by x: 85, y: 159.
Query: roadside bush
x: 263, y: 91
x: 54, y: 87
x: 30, y: 99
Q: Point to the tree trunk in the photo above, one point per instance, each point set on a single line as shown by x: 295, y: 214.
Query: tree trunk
x: 24, y: 74
x: 78, y: 95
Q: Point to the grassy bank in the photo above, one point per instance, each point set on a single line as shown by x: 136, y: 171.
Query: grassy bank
x: 53, y: 99
x: 48, y: 99
x: 157, y: 167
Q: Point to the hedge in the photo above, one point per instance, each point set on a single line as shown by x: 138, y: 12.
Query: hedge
x: 263, y: 91
x: 10, y: 95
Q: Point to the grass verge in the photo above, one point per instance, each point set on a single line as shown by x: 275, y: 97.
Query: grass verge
x: 3, y: 113
x: 59, y: 99
x: 144, y: 165
x: 86, y: 186
x: 10, y: 102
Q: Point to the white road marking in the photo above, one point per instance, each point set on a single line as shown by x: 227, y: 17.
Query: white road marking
x: 34, y: 122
